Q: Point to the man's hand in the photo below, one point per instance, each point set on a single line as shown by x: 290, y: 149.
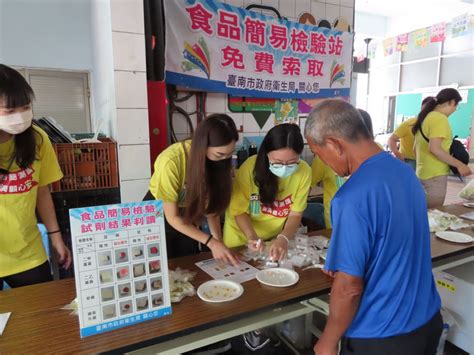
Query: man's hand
x: 324, y: 348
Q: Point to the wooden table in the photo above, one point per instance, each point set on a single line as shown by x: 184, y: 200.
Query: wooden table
x: 38, y: 324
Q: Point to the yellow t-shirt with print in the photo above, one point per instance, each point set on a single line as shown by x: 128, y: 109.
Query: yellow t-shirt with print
x: 331, y: 182
x: 407, y: 139
x: 168, y: 182
x: 21, y: 247
x: 435, y: 125
x: 267, y: 221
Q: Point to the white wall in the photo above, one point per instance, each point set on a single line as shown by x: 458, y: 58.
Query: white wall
x: 46, y: 34
x: 102, y: 78
x: 128, y: 42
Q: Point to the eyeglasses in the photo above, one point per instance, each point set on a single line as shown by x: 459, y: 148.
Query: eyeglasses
x: 280, y: 165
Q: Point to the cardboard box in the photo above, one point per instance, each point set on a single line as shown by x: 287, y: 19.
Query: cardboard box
x: 456, y: 288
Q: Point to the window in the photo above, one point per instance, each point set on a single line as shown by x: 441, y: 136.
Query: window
x: 61, y: 95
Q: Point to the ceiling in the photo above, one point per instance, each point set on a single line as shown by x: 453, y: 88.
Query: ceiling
x: 428, y: 8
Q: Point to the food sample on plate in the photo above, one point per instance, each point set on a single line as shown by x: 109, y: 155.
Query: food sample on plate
x: 109, y: 311
x: 140, y: 286
x: 105, y: 276
x: 142, y: 303
x: 219, y: 291
x: 157, y: 300
x: 104, y: 258
x: 125, y: 307
x: 138, y: 270
x: 124, y: 290
x: 121, y: 255
x: 154, y: 266
x: 107, y: 294
x: 156, y: 284
x: 137, y: 252
x: 122, y: 273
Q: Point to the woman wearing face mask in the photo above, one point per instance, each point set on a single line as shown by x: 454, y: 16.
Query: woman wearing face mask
x: 270, y: 194
x: 194, y: 180
x: 433, y: 138
x: 28, y: 165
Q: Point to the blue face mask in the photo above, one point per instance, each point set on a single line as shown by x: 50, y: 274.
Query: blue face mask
x: 283, y: 171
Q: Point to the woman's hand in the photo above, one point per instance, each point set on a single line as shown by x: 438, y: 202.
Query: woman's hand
x: 256, y: 245
x: 221, y: 253
x: 62, y: 251
x: 464, y: 170
x: 279, y: 249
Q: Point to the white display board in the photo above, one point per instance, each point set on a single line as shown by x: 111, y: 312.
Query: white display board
x: 120, y: 265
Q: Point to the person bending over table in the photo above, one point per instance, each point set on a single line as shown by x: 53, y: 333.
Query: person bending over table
x: 270, y: 194
x: 383, y: 299
x: 194, y: 180
x: 28, y: 165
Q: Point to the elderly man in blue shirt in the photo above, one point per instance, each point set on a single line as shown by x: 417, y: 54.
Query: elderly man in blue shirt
x: 383, y: 299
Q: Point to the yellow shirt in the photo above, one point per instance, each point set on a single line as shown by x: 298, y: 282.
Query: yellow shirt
x: 168, y: 182
x: 21, y: 247
x: 267, y: 221
x: 331, y: 183
x: 407, y: 139
x: 435, y: 125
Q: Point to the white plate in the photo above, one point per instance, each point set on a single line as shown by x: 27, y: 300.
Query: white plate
x: 468, y: 204
x: 455, y: 237
x: 469, y: 215
x: 278, y: 277
x: 219, y: 291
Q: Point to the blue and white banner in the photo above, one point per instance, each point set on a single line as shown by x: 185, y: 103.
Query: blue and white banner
x: 212, y: 46
x: 120, y: 265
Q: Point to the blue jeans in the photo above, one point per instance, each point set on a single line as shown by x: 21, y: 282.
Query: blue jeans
x: 315, y: 212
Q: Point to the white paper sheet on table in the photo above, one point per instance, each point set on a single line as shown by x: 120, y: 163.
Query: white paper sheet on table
x: 220, y: 271
x: 3, y: 321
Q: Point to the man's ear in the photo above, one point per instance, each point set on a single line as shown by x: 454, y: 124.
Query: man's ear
x: 334, y: 145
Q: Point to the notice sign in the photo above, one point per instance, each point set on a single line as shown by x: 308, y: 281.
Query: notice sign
x: 120, y: 265
x: 213, y: 46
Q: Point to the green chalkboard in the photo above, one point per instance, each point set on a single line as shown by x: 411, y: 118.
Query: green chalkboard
x: 408, y: 105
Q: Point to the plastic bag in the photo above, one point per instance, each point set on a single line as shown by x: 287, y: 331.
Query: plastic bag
x: 441, y: 221
x: 180, y: 284
x: 467, y: 192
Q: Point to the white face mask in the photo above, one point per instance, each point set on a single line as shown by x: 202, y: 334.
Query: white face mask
x: 16, y: 123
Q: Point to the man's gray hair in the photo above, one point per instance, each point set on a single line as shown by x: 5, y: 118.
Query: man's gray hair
x: 337, y: 118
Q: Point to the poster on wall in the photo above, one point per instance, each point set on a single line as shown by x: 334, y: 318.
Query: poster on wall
x: 120, y: 265
x: 460, y: 26
x: 213, y: 46
x: 402, y: 43
x: 286, y: 111
x: 438, y: 32
x: 388, y: 46
x: 421, y: 38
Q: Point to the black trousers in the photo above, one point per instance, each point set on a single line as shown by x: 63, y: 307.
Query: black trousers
x: 39, y: 274
x: 421, y: 341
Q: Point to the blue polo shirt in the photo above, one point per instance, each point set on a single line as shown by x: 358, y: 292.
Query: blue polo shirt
x: 381, y: 234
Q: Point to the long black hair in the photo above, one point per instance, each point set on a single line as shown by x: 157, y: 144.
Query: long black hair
x: 285, y: 135
x: 209, y: 186
x: 16, y: 92
x: 443, y: 96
